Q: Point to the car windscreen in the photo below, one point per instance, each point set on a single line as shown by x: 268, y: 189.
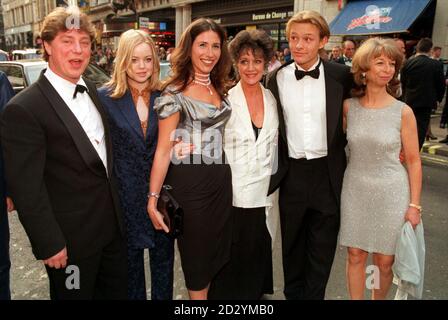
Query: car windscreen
x: 33, y: 72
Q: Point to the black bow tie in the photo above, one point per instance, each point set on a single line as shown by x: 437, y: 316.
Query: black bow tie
x: 79, y: 88
x: 313, y: 73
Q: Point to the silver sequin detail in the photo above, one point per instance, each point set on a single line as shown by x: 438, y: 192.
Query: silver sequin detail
x: 375, y: 192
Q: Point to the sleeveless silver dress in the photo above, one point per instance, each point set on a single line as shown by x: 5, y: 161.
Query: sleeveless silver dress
x: 375, y: 192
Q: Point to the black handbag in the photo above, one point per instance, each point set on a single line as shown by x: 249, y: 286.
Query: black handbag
x: 173, y: 214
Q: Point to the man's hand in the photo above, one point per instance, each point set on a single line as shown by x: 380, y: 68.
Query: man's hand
x: 59, y: 260
x: 9, y: 204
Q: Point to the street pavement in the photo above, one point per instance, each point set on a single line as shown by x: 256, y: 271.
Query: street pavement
x: 29, y: 280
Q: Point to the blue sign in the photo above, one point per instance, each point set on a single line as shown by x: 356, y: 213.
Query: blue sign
x: 364, y: 17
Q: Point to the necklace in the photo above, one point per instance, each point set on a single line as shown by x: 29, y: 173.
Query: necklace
x: 203, y: 80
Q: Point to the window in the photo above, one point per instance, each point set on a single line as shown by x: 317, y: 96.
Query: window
x: 15, y: 75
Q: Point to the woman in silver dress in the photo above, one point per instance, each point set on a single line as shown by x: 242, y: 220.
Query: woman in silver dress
x: 379, y: 193
x: 194, y: 106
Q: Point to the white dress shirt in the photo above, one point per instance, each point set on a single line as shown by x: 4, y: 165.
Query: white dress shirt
x: 84, y: 110
x: 304, y: 111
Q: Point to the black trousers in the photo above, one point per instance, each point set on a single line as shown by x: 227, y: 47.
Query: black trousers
x: 423, y: 117
x: 248, y: 274
x: 309, y: 218
x: 161, y: 260
x: 102, y: 276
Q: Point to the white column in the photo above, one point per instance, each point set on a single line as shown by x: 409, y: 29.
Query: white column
x: 299, y: 5
x: 179, y: 24
x: 186, y: 17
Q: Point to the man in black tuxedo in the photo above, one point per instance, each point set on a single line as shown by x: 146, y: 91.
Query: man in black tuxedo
x: 6, y: 93
x: 310, y: 93
x: 423, y: 85
x: 349, y: 49
x: 58, y: 166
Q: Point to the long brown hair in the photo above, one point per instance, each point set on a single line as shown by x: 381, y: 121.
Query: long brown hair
x: 182, y: 68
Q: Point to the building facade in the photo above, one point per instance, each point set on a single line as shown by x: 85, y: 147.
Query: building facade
x: 167, y: 19
x: 436, y: 25
x: 18, y: 22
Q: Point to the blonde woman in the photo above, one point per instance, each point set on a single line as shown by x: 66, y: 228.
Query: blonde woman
x: 129, y: 100
x: 379, y: 193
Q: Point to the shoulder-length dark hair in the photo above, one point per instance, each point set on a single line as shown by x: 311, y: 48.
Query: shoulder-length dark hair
x: 182, y: 68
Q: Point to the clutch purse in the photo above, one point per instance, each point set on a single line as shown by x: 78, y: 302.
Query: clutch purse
x: 173, y: 214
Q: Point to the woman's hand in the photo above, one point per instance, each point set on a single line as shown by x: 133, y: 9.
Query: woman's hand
x: 413, y: 216
x: 9, y: 204
x: 155, y: 216
x: 182, y: 149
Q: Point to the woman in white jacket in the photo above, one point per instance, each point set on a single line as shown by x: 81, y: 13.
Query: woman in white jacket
x: 250, y: 139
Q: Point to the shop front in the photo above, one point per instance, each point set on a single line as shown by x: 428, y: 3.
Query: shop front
x: 267, y: 15
x: 161, y: 31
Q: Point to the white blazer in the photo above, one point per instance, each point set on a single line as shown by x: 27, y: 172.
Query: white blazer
x: 252, y: 161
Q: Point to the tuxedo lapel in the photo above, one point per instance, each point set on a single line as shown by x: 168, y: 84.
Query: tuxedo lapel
x: 96, y: 101
x: 333, y: 96
x: 273, y: 86
x: 82, y: 142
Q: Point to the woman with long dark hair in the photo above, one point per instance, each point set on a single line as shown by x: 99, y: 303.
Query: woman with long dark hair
x: 193, y: 106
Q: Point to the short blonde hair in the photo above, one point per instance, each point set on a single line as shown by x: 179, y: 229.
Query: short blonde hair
x: 129, y: 40
x: 60, y: 19
x: 372, y: 49
x: 313, y: 17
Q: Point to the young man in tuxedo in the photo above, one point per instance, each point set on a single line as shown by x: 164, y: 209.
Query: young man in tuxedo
x: 59, y: 169
x: 310, y: 93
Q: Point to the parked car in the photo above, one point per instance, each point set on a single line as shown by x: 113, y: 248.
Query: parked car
x: 4, y: 55
x: 23, y: 73
x: 165, y: 70
x: 26, y: 54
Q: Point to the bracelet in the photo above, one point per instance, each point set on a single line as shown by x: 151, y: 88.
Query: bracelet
x: 419, y: 208
x: 154, y: 194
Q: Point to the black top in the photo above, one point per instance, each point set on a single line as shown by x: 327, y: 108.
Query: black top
x: 256, y: 130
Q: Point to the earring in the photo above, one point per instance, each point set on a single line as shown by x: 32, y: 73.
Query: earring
x: 363, y: 78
